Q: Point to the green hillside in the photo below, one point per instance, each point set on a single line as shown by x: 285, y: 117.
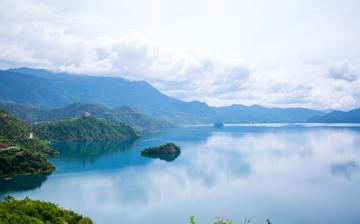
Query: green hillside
x: 84, y: 128
x: 123, y: 114
x: 25, y: 113
x: 38, y: 212
x: 21, y: 152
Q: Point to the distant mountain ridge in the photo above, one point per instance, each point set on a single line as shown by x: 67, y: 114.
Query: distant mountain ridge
x: 352, y: 116
x: 49, y: 89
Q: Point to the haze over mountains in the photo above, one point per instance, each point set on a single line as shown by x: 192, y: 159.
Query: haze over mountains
x: 352, y: 116
x: 46, y: 89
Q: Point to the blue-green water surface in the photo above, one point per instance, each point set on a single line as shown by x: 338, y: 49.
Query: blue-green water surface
x: 293, y: 174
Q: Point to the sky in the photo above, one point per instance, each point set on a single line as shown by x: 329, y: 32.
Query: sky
x: 283, y: 53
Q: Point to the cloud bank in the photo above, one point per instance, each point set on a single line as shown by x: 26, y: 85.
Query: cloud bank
x: 41, y: 35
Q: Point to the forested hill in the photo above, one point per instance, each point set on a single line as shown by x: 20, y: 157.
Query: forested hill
x: 124, y: 114
x: 84, y: 128
x: 21, y: 152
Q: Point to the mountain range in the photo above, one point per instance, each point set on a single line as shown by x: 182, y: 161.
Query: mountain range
x: 352, y: 116
x: 46, y: 89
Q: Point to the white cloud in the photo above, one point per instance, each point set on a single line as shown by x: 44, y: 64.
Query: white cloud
x: 344, y: 71
x: 44, y: 34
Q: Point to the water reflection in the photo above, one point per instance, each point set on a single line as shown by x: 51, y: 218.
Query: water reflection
x: 88, y: 152
x: 286, y: 173
x: 345, y: 169
x: 21, y: 183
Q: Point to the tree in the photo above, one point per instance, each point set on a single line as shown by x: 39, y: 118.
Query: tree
x: 8, y: 198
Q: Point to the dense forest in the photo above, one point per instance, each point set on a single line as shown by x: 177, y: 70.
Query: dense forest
x: 21, y: 151
x: 84, y: 128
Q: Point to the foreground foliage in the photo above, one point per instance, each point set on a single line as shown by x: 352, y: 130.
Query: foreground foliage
x: 29, y: 211
x: 225, y: 221
x: 21, y: 152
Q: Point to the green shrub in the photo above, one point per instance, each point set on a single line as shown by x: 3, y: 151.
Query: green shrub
x: 29, y: 211
x: 224, y: 221
x: 192, y: 220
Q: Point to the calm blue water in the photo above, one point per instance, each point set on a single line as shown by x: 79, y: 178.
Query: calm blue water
x: 291, y: 174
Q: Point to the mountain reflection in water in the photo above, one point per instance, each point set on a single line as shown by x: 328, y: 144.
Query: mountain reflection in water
x: 290, y: 174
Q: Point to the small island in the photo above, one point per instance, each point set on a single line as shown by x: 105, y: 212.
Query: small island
x: 218, y: 125
x: 168, y: 152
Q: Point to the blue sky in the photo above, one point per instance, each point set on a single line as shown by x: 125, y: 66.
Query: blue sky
x: 274, y: 53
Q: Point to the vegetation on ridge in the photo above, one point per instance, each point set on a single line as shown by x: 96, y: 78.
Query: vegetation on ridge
x: 84, y: 128
x: 38, y: 212
x: 124, y: 114
x: 225, y: 221
x: 21, y: 152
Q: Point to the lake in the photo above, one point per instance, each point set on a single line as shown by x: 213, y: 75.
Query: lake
x: 289, y: 173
